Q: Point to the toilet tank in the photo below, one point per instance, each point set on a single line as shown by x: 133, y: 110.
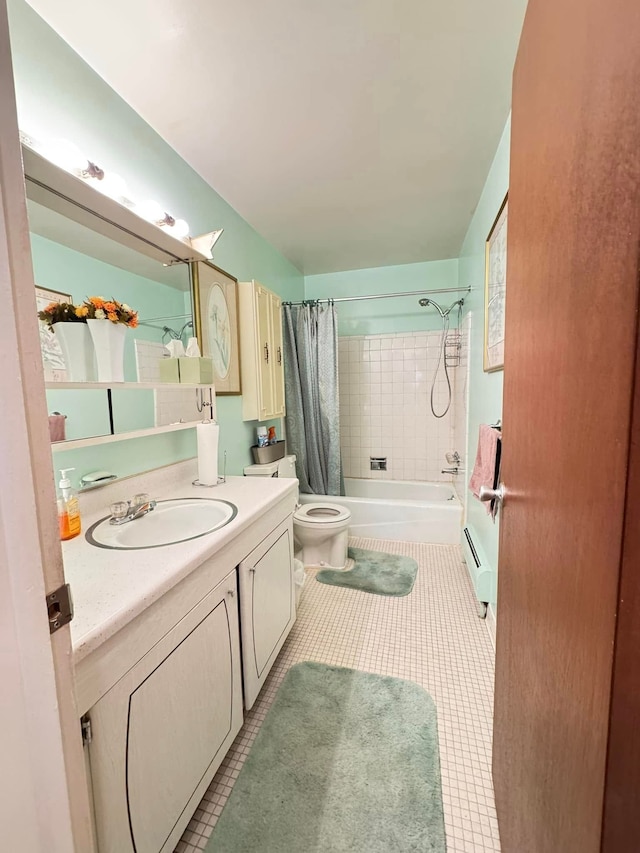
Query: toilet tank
x: 285, y: 467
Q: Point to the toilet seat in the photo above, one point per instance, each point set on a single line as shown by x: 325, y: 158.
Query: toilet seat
x: 321, y: 513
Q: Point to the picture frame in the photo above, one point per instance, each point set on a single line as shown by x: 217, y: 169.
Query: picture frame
x: 495, y: 290
x: 216, y: 322
x: 52, y: 358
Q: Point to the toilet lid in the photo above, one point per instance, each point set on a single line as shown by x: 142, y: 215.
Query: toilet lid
x: 321, y: 513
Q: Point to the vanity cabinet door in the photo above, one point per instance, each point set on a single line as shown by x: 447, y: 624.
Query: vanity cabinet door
x: 160, y: 733
x: 267, y: 606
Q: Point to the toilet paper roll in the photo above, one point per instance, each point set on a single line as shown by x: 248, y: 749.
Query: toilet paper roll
x: 207, y: 439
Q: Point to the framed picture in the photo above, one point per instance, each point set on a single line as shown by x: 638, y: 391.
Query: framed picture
x: 215, y: 315
x: 495, y: 291
x: 52, y: 358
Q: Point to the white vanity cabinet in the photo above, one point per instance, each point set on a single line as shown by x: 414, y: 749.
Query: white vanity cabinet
x: 160, y: 733
x: 261, y: 352
x: 267, y: 606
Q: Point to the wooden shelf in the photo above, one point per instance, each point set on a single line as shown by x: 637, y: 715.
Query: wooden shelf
x: 74, y: 444
x: 120, y: 386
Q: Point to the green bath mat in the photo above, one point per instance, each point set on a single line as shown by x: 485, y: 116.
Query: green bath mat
x: 344, y: 761
x: 374, y: 571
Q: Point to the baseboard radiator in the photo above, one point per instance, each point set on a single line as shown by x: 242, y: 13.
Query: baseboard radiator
x: 483, y: 576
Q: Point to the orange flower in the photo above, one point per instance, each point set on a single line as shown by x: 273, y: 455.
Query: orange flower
x: 133, y: 322
x: 96, y: 301
x: 81, y: 311
x: 111, y: 316
x: 51, y: 307
x: 109, y: 307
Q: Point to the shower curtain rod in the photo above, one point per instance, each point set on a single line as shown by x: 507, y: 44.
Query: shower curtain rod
x: 383, y: 295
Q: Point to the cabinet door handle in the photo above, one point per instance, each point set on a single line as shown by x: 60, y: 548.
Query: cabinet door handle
x: 279, y: 355
x: 252, y: 570
x: 266, y: 353
x: 231, y: 593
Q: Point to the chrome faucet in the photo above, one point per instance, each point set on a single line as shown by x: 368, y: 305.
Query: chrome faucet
x: 123, y: 512
x: 453, y: 471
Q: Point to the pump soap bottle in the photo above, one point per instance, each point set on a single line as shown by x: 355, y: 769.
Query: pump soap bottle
x: 68, y: 508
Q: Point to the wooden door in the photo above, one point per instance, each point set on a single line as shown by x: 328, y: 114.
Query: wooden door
x: 573, y: 250
x: 45, y: 801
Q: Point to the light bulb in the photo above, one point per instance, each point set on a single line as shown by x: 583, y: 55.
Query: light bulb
x: 66, y: 155
x: 150, y: 210
x: 180, y: 229
x: 113, y: 185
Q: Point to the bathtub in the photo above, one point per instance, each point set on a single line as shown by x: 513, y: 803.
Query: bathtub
x: 400, y: 510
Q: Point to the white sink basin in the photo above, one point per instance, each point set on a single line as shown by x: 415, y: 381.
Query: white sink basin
x: 170, y: 522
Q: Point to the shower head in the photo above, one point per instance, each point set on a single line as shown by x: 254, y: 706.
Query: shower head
x: 424, y: 302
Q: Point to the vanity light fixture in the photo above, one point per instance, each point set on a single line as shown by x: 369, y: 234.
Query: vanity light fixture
x: 69, y: 157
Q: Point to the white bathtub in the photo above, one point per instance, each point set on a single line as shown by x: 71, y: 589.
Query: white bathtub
x: 400, y: 510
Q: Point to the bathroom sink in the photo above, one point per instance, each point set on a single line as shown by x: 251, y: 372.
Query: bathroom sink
x: 172, y: 521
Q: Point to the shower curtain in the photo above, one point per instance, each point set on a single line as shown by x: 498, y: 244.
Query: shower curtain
x: 310, y: 334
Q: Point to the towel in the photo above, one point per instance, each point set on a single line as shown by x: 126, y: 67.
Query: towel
x: 485, y: 470
x: 57, y: 430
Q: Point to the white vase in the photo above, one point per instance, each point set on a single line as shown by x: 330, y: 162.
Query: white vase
x: 108, y: 341
x: 77, y: 351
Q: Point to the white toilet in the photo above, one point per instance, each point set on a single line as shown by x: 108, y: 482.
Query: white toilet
x: 320, y: 529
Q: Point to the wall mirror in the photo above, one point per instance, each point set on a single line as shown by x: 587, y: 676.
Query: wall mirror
x: 85, y: 244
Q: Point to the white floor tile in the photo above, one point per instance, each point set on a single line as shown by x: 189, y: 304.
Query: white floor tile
x: 432, y: 637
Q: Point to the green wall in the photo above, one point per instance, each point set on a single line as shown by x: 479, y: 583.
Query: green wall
x: 402, y: 314
x: 59, y: 95
x: 485, y: 389
x: 382, y: 316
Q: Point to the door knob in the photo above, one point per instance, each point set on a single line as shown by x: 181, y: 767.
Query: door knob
x: 492, y: 494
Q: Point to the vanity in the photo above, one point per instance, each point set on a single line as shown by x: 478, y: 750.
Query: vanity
x: 171, y: 645
x: 172, y: 640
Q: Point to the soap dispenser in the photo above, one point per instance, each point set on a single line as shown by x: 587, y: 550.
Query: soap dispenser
x: 68, y: 508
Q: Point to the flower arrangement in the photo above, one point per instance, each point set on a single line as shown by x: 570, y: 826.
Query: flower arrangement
x: 62, y: 312
x: 98, y: 308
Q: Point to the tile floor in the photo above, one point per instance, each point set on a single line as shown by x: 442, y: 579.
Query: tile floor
x: 433, y: 637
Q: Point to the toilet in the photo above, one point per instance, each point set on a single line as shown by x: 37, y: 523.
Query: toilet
x: 320, y: 529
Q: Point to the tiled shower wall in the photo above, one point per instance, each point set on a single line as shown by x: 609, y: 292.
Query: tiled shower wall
x: 461, y: 412
x: 385, y: 385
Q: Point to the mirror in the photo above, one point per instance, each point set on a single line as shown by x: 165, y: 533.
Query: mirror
x: 73, y: 261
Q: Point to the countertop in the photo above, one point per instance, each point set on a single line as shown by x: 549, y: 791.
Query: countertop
x: 110, y: 588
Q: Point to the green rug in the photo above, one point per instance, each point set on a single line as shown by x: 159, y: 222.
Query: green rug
x: 344, y: 761
x: 374, y: 571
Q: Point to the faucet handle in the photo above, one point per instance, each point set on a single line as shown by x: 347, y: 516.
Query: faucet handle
x: 140, y: 499
x: 119, y: 509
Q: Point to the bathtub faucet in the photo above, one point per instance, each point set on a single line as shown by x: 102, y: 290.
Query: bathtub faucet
x: 453, y: 471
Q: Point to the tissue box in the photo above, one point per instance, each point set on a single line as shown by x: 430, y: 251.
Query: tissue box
x: 169, y: 370
x: 196, y: 371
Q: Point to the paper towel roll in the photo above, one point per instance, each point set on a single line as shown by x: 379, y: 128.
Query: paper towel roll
x: 207, y: 438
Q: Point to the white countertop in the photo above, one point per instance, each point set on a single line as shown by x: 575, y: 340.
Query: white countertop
x: 111, y: 587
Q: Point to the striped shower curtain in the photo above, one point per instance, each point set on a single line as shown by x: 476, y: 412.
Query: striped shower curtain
x: 310, y: 334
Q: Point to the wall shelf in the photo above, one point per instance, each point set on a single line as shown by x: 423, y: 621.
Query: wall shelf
x: 121, y: 386
x: 75, y: 444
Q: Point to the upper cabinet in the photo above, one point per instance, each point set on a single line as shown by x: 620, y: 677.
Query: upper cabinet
x: 261, y: 353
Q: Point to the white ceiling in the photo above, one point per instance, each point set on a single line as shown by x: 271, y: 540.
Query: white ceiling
x: 349, y: 133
